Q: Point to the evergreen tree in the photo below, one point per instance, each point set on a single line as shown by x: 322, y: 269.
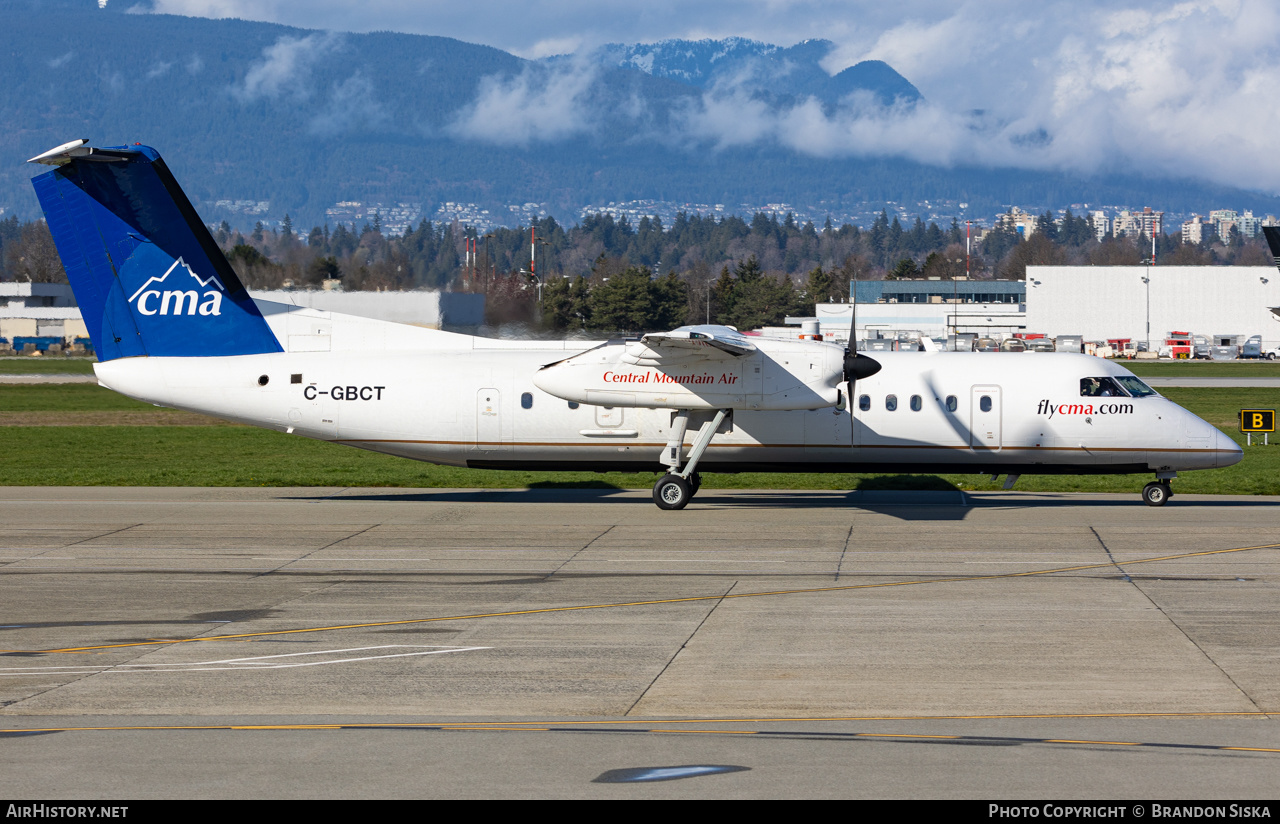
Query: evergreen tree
x: 668, y: 302
x: 917, y: 241
x: 819, y: 288
x: 723, y: 298
x: 759, y: 300
x: 622, y: 303
x: 323, y: 268
x: 999, y: 241
x: 893, y: 240
x: 1046, y: 226
x: 565, y: 303
x: 934, y: 239
x: 904, y: 268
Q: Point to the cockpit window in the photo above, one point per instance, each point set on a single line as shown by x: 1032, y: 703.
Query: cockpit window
x: 1104, y: 387
x: 1135, y: 387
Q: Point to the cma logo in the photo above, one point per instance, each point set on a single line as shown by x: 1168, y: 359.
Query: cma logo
x: 149, y: 301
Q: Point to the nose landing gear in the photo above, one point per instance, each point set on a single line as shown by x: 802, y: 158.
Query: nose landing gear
x: 1158, y: 492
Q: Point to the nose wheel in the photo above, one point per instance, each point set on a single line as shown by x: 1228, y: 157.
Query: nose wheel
x: 1157, y: 493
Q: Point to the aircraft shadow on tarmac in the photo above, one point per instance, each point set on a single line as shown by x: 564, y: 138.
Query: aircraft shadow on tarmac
x: 903, y: 504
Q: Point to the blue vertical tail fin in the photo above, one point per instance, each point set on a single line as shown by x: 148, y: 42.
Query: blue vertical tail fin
x: 148, y: 276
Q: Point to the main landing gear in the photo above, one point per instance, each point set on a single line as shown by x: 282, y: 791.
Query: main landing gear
x: 1158, y: 492
x: 673, y: 490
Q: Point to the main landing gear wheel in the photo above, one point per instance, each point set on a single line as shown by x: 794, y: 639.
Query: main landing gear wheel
x: 695, y: 483
x: 1156, y: 494
x: 671, y: 492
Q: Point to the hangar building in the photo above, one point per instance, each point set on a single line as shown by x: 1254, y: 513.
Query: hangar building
x: 1145, y: 303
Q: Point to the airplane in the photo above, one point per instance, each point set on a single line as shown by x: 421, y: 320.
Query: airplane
x: 173, y: 325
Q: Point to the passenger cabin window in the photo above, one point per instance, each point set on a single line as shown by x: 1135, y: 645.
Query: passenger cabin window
x: 526, y: 400
x: 891, y: 402
x: 864, y: 403
x: 1103, y: 387
x: 985, y: 403
x: 952, y: 403
x: 916, y: 403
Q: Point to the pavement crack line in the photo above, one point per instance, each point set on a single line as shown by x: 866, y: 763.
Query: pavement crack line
x: 999, y: 576
x: 317, y: 549
x: 569, y: 560
x: 847, y: 539
x: 330, y: 497
x: 143, y: 653
x: 1171, y: 620
x: 673, y: 658
x: 73, y: 543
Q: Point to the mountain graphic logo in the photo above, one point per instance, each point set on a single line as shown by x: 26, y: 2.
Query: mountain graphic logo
x: 149, y: 301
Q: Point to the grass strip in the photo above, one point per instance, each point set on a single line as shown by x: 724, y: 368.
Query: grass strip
x: 1203, y: 369
x: 67, y: 397
x: 55, y: 365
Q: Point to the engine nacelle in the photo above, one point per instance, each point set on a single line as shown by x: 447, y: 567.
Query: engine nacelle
x: 778, y: 375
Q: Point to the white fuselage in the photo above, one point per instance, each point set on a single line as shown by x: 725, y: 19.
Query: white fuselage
x: 467, y: 401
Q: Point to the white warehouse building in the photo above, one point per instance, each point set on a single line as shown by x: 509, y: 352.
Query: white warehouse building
x: 1101, y: 302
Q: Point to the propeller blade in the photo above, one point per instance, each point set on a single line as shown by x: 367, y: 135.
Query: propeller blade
x: 856, y: 366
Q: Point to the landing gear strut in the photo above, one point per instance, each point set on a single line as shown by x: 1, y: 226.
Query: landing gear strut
x: 673, y: 490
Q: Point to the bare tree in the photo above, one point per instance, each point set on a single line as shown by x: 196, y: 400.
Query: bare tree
x: 33, y: 257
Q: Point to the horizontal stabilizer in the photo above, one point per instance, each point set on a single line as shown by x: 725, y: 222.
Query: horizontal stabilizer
x: 1272, y: 234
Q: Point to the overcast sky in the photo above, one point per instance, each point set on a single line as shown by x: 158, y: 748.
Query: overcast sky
x: 1186, y: 88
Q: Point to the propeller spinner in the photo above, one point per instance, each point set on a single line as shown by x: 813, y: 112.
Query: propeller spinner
x: 857, y: 366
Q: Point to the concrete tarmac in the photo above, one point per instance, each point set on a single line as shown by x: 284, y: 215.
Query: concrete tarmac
x: 162, y: 642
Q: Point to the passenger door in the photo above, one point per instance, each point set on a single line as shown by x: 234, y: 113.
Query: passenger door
x: 489, y: 420
x: 984, y: 418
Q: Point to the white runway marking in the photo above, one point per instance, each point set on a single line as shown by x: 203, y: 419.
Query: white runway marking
x: 257, y: 662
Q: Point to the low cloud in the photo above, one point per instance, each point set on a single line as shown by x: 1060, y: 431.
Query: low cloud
x: 1177, y: 91
x: 285, y: 67
x: 1092, y: 86
x: 351, y: 106
x: 861, y: 126
x: 538, y: 105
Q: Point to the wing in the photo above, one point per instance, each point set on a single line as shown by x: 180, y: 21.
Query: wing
x: 700, y: 339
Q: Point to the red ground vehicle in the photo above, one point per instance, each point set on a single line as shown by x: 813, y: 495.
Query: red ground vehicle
x: 1123, y: 347
x: 1181, y: 346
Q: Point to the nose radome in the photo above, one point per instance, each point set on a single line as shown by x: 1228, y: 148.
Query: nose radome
x: 1229, y: 452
